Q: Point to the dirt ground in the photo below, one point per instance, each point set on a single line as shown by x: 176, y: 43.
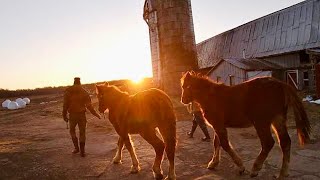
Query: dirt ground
x: 35, y: 144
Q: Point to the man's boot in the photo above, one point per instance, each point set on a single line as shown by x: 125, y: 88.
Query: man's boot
x: 206, y: 133
x: 76, y: 146
x: 82, y: 151
x: 194, y: 127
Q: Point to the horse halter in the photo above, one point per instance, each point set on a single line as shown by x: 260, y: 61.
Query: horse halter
x: 101, y: 103
x: 187, y: 93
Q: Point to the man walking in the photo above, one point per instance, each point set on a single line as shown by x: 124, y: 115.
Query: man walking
x: 198, y: 119
x: 76, y: 101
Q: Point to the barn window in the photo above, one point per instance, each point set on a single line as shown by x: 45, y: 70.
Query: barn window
x: 218, y: 79
x: 231, y: 80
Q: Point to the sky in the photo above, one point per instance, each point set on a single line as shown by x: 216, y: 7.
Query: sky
x: 49, y: 42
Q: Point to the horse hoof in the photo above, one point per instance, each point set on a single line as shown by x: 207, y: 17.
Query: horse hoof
x: 242, y: 170
x: 212, y: 165
x: 170, y: 178
x: 135, y: 169
x: 116, y: 161
x: 280, y: 177
x: 254, y: 174
x: 158, y: 176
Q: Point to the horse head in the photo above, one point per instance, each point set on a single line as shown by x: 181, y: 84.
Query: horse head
x: 102, y: 91
x: 108, y: 96
x: 194, y: 86
x: 186, y: 86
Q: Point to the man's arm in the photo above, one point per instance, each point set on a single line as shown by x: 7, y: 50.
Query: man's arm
x: 91, y: 109
x: 65, y: 107
x: 189, y: 108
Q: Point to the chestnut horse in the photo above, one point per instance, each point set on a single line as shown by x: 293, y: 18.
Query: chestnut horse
x: 141, y: 113
x: 261, y: 102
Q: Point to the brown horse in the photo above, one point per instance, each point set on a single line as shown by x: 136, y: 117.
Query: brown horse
x: 141, y: 113
x: 261, y: 102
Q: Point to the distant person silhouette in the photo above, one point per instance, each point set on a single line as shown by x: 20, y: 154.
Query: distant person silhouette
x: 76, y: 101
x: 198, y: 119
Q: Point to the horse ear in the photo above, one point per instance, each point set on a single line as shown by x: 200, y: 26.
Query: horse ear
x: 97, y: 89
x: 106, y: 83
x: 188, y: 74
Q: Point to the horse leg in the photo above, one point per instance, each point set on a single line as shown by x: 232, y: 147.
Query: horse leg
x: 267, y: 143
x: 216, y: 156
x: 225, y: 144
x: 135, y: 168
x: 169, y: 136
x: 285, y: 144
x: 117, y: 158
x: 170, y: 150
x: 158, y: 146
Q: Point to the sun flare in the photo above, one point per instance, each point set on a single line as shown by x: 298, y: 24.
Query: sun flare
x: 136, y: 80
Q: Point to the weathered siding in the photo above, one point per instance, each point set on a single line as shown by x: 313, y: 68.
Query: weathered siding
x: 255, y: 74
x: 292, y: 29
x: 289, y: 61
x: 224, y: 70
x: 154, y: 46
x: 317, y: 73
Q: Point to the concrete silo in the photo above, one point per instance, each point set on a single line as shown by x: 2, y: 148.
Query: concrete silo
x: 172, y: 41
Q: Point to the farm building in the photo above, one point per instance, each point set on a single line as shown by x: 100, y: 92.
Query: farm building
x: 284, y: 44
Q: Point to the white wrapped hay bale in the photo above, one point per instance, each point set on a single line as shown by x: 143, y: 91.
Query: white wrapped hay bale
x: 13, y: 105
x: 27, y: 100
x: 5, y: 103
x: 21, y: 103
x: 18, y: 99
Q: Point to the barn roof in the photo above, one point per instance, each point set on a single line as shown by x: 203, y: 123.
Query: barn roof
x: 249, y: 64
x: 289, y: 30
x: 253, y: 64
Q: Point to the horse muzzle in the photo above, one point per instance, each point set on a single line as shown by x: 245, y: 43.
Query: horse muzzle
x: 101, y: 110
x: 185, y: 100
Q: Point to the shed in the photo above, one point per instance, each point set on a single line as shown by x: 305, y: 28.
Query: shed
x: 236, y: 71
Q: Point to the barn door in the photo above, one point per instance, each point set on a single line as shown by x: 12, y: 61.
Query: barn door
x: 292, y: 78
x: 318, y: 79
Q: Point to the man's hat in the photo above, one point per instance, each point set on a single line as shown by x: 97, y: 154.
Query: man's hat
x: 77, y: 80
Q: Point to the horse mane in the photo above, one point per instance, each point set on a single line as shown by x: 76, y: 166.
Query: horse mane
x: 117, y: 89
x: 201, y: 81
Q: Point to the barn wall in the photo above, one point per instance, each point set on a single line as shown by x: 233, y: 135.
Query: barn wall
x: 317, y: 74
x: 292, y: 29
x: 255, y: 74
x: 224, y: 69
x: 287, y: 61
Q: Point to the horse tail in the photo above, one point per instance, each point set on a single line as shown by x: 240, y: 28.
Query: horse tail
x: 167, y: 126
x: 301, y: 118
x: 169, y: 134
x: 169, y: 130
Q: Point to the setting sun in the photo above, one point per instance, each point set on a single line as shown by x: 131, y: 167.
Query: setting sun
x: 112, y: 63
x: 136, y: 80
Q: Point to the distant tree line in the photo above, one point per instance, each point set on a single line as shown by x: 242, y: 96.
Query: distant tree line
x: 5, y: 93
x: 125, y: 85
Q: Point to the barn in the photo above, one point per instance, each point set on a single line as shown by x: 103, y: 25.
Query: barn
x: 284, y: 44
